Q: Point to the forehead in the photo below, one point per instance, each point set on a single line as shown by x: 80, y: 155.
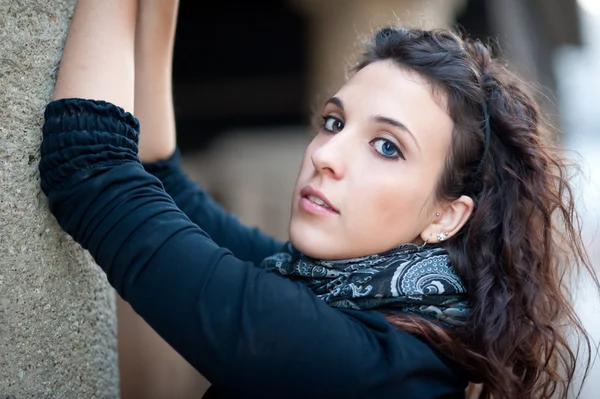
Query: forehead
x: 384, y: 88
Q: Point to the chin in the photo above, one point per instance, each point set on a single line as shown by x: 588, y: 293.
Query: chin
x: 304, y: 244
x: 310, y: 242
x: 318, y: 246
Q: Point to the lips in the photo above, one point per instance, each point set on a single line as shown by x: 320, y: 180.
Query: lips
x: 318, y: 198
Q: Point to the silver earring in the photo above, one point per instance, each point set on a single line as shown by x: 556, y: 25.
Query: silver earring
x: 425, y: 243
x: 437, y: 214
x: 442, y: 236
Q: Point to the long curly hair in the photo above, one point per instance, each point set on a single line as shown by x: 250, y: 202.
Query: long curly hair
x: 523, y: 238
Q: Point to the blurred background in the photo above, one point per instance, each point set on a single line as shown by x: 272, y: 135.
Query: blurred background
x: 247, y: 75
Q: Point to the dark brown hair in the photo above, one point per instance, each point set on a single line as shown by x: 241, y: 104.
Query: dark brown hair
x: 516, y: 250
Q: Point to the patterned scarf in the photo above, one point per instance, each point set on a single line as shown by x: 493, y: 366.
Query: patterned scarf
x: 408, y: 278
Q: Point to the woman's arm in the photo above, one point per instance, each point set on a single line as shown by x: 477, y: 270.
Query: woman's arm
x: 155, y: 34
x: 98, y: 58
x: 248, y: 331
x: 246, y: 243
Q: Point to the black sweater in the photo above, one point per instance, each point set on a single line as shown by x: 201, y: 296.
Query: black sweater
x: 191, y: 270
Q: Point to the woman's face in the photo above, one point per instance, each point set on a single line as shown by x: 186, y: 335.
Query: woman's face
x: 375, y: 163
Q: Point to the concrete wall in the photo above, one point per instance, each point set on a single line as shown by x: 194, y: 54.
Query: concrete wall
x: 57, y: 323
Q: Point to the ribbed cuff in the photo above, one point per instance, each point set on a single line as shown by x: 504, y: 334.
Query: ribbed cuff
x: 80, y: 134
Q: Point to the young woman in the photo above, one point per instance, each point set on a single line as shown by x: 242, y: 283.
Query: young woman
x: 431, y: 223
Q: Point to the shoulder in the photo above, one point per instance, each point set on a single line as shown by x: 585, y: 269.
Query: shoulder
x: 413, y: 367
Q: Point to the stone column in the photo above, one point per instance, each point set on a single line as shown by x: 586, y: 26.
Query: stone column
x: 337, y: 25
x: 57, y: 323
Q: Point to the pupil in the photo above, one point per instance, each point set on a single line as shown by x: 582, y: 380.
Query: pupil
x: 387, y: 148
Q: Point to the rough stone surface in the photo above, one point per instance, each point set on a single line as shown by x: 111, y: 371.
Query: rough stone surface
x: 57, y: 323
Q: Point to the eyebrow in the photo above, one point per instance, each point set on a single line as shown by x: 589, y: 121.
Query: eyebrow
x: 379, y: 119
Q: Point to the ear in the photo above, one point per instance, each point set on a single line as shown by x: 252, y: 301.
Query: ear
x: 452, y: 217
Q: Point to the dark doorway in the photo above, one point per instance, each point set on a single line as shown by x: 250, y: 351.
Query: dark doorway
x: 238, y: 63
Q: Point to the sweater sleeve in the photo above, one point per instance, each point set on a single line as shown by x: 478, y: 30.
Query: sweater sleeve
x: 224, y: 228
x: 247, y: 330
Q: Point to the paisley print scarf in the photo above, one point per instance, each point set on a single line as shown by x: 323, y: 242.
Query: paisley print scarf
x: 408, y: 278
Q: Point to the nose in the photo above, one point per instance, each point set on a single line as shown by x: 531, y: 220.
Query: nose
x: 330, y: 155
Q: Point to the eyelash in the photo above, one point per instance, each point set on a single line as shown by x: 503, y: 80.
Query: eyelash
x: 399, y: 154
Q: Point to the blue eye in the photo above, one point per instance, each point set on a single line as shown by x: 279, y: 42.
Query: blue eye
x: 332, y: 124
x: 387, y: 149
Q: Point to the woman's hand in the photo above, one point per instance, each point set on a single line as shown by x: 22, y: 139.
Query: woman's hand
x: 98, y: 58
x: 155, y: 34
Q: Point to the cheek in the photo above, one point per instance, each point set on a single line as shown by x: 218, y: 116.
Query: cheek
x: 393, y: 203
x: 307, y: 167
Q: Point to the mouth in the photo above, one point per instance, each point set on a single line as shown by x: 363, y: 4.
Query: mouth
x: 314, y: 201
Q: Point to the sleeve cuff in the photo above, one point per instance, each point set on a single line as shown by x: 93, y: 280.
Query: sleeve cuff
x: 80, y: 134
x: 165, y: 167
